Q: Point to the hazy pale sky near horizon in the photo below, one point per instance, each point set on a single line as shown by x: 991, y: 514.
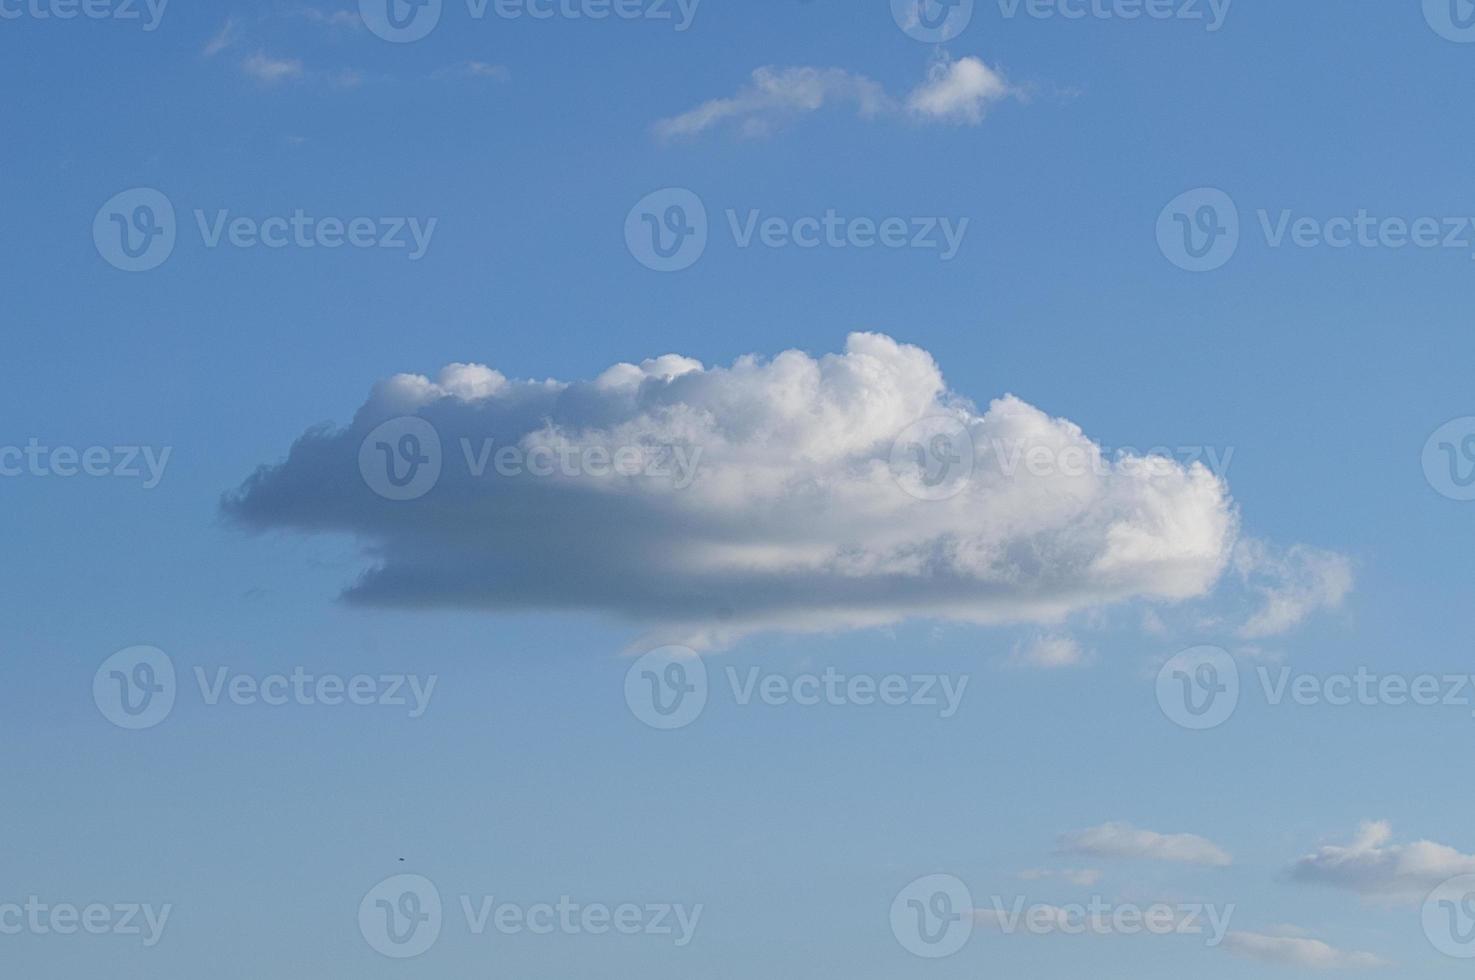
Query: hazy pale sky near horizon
x: 559, y: 488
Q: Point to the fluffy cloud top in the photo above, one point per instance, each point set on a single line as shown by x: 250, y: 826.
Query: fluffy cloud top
x: 1374, y: 867
x: 796, y: 517
x: 1309, y: 954
x: 1120, y: 840
x: 955, y: 91
x: 959, y: 91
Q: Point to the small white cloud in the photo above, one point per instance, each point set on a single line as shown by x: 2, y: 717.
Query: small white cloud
x: 954, y: 91
x: 1310, y: 954
x: 1375, y: 868
x: 1290, y: 584
x: 958, y: 91
x: 270, y: 71
x: 1049, y: 652
x: 1120, y: 840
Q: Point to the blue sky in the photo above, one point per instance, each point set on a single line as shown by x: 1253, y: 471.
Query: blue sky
x: 1322, y: 352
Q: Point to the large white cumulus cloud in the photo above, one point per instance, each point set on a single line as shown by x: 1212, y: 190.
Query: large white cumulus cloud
x: 795, y: 518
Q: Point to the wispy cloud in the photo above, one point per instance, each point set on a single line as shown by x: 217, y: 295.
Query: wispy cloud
x: 1121, y: 840
x: 345, y: 78
x: 1296, y: 951
x: 1049, y: 652
x: 269, y: 70
x: 1290, y: 584
x: 954, y: 91
x: 474, y: 69
x: 226, y: 37
x: 774, y: 96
